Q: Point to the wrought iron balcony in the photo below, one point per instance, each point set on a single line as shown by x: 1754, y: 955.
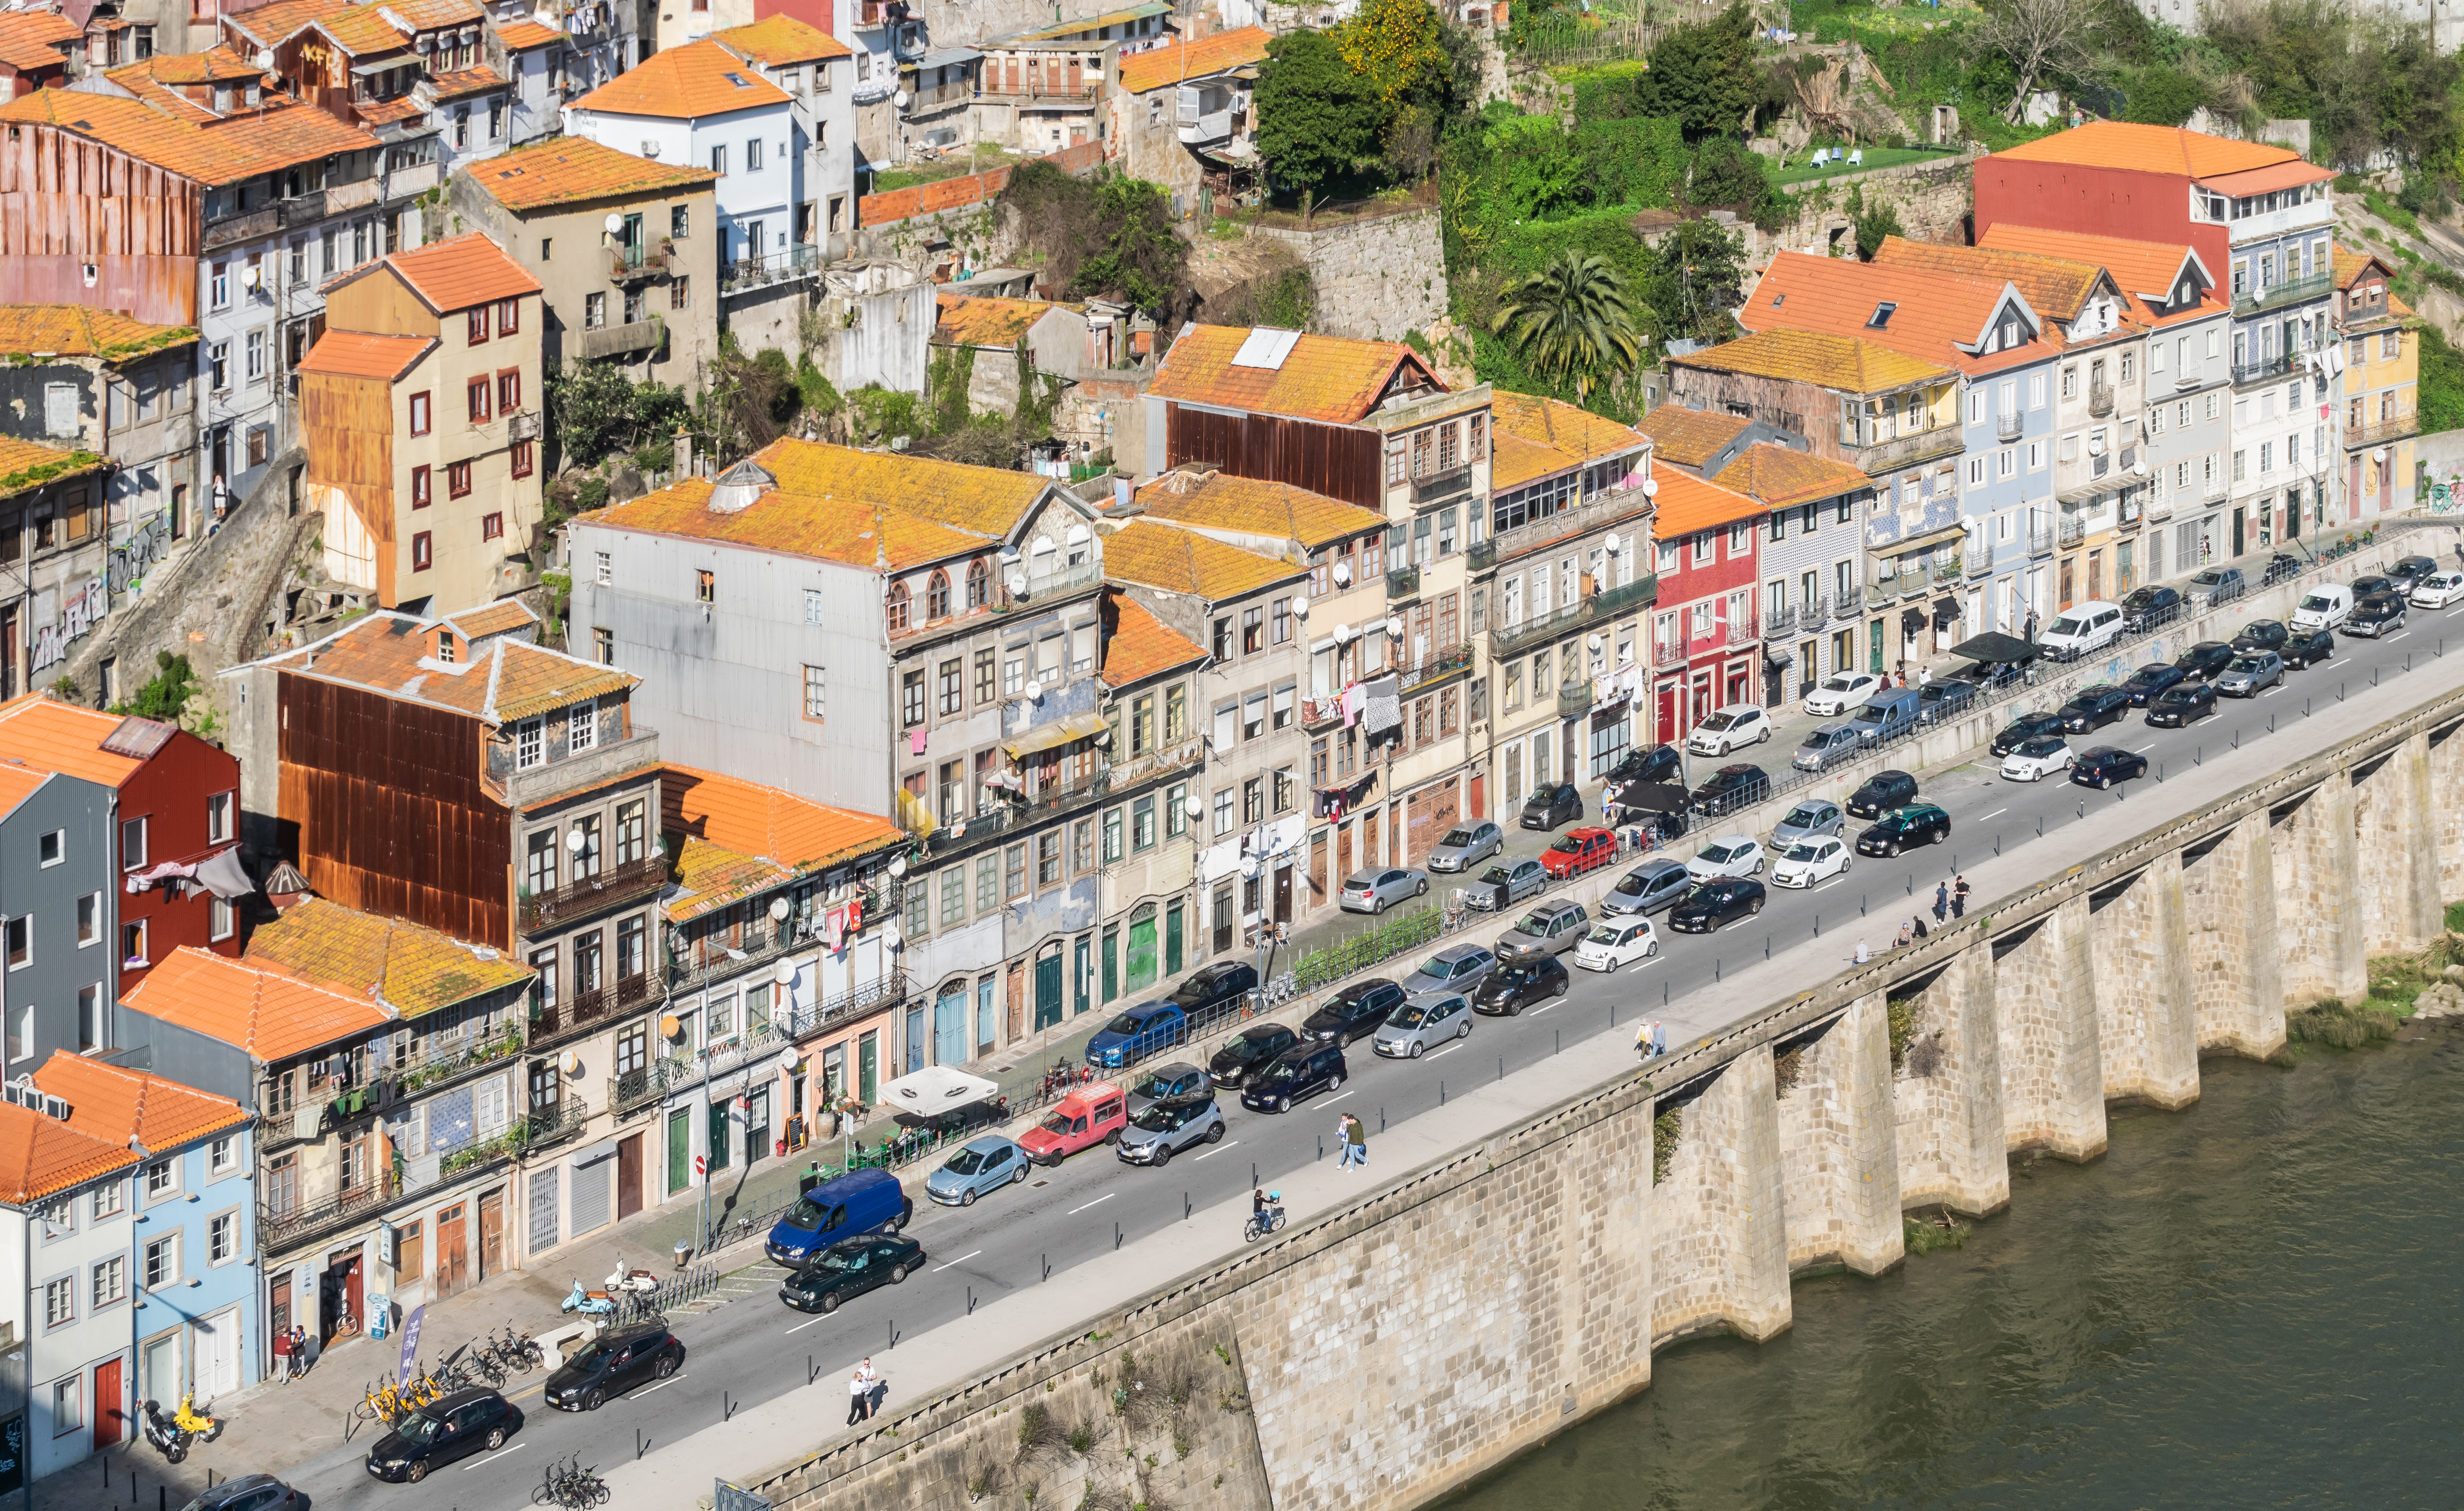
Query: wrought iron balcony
x: 1574, y: 698
x: 2380, y: 431
x: 612, y: 887
x: 2074, y: 530
x: 2264, y: 368
x: 2100, y: 400
x: 2314, y: 287
x: 1442, y: 485
x: 1607, y: 603
x: 589, y: 1009
x: 1481, y: 555
x: 1439, y: 666
x: 1924, y: 446
x: 2008, y: 427
x: 1402, y: 582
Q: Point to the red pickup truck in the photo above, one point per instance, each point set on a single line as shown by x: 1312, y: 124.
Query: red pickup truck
x: 1096, y: 1113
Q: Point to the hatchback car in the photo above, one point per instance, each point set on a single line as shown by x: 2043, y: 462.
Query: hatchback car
x: 1659, y: 763
x: 2250, y: 675
x: 247, y: 1493
x: 1240, y: 1058
x: 2379, y: 614
x: 1422, y: 1023
x: 1904, y: 829
x: 2105, y: 765
x: 1842, y: 692
x: 2260, y: 634
x: 475, y: 1421
x: 1646, y: 889
x: 612, y: 1364
x: 1551, y: 806
x: 1375, y: 891
x: 1166, y: 1084
x: 1355, y: 1011
x: 1618, y: 942
x: 2408, y: 571
x: 1136, y: 1032
x: 2023, y: 729
x: 1577, y: 851
x: 2179, y: 706
x: 1732, y: 788
x: 1516, y: 984
x: 1827, y: 745
x: 1301, y: 1074
x: 1728, y: 855
x: 2147, y: 607
x: 844, y: 1271
x: 1946, y: 699
x: 1466, y: 845
x: 1161, y: 1130
x: 2374, y: 584
x: 2034, y: 761
x: 1808, y: 862
x: 2092, y: 708
x: 981, y: 1165
x: 1704, y: 909
x: 2147, y: 682
x: 2437, y: 590
x: 1454, y: 968
x: 1503, y: 885
x: 1883, y: 792
x: 2215, y: 585
x: 2203, y: 660
x: 1550, y: 928
x: 1807, y: 821
x: 1738, y: 725
x: 2306, y: 647
x: 1212, y: 986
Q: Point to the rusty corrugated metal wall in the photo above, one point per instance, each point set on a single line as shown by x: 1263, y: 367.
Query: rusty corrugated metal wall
x: 1334, y: 460
x: 67, y: 204
x: 348, y: 426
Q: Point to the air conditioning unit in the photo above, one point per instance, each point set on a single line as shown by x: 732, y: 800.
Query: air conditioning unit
x: 651, y: 151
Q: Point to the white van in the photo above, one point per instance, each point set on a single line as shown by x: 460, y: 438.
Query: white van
x: 2083, y: 628
x: 2324, y: 607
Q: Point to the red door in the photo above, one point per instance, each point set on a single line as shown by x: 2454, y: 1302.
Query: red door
x: 1664, y: 727
x: 108, y: 1418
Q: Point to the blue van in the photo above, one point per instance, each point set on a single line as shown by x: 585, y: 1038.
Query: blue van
x: 847, y: 1205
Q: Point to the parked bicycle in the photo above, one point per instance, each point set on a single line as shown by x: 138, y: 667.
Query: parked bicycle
x: 567, y: 1484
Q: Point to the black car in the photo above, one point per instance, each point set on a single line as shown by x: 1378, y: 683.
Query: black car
x: 1212, y: 986
x: 612, y: 1364
x: 1551, y: 806
x: 1917, y: 823
x: 847, y: 1269
x: 451, y: 1427
x: 2105, y: 765
x: 2176, y: 707
x: 1248, y: 1049
x: 1731, y: 788
x: 1304, y: 1072
x: 1659, y: 763
x: 2023, y: 729
x: 2306, y: 647
x: 2260, y: 634
x: 2092, y: 708
x: 2374, y: 616
x: 247, y: 1493
x: 2148, y: 681
x: 1707, y: 907
x: 2149, y: 606
x: 1884, y: 792
x: 1519, y: 983
x: 1357, y: 1012
x: 1947, y: 698
x: 2408, y: 571
x: 2374, y: 584
x: 2205, y: 659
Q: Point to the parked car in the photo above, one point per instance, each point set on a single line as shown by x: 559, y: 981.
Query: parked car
x: 2215, y: 585
x: 245, y: 1492
x: 2081, y: 630
x: 1240, y: 1057
x: 2179, y: 706
x: 479, y: 1420
x: 1422, y: 1022
x: 1945, y: 699
x: 1616, y: 943
x: 2438, y: 589
x: 2148, y: 681
x: 1166, y: 1084
x: 1465, y: 845
x: 1577, y: 851
x: 1161, y: 1130
x: 1841, y: 694
x: 2033, y: 761
x: 2308, y: 648
x: 1551, y: 806
x: 1887, y: 715
x: 1299, y: 1075
x: 1212, y: 986
x: 1659, y: 763
x: 2377, y: 615
x: 1809, y: 861
x: 1728, y: 855
x: 847, y: 1270
x: 2408, y: 571
x: 1456, y: 968
x: 1827, y: 745
x: 1087, y: 1115
x: 1738, y: 725
x: 1503, y: 885
x: 2203, y: 660
x: 1883, y: 792
x: 1550, y: 928
x: 1357, y: 1009
x: 1904, y: 829
x: 612, y: 1364
x: 2250, y: 675
x: 1648, y: 887
x: 1518, y: 983
x: 1136, y: 1032
x: 2376, y: 585
x: 1729, y: 789
x: 1375, y: 891
x: 1707, y: 907
x: 2107, y: 764
x: 985, y: 1164
x: 1808, y: 819
x: 2023, y: 729
x: 2260, y: 634
x: 848, y: 1206
x: 2323, y: 608
x: 2147, y: 607
x: 2092, y: 708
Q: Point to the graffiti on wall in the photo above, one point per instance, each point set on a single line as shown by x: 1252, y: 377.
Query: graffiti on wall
x: 132, y: 559
x: 81, y: 609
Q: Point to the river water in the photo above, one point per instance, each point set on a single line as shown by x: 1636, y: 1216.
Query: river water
x: 2255, y: 1303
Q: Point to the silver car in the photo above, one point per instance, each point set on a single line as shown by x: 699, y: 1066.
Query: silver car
x: 1646, y: 889
x: 1466, y: 845
x: 1456, y: 968
x: 1374, y: 891
x: 1168, y: 1083
x: 1550, y: 928
x: 2247, y: 675
x: 1826, y: 746
x: 1424, y: 1024
x: 1161, y: 1130
x: 1811, y: 820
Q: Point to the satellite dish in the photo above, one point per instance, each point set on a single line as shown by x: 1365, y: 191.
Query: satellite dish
x: 1194, y: 808
x: 788, y: 1058
x: 575, y: 840
x: 615, y: 224
x: 1018, y: 583
x: 900, y: 98
x: 1343, y: 632
x: 1593, y: 641
x: 265, y: 57
x: 898, y: 865
x: 1034, y: 692
x: 669, y: 1025
x: 1651, y: 488
x: 783, y: 973
x: 780, y: 905
x: 1395, y: 627
x: 572, y: 1064
x: 1300, y: 608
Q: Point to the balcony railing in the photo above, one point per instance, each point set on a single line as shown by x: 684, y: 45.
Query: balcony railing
x: 1676, y: 652
x: 1481, y: 555
x: 445, y: 1060
x: 801, y: 260
x: 669, y: 1074
x: 1402, y: 582
x: 587, y: 1009
x: 1442, y: 485
x: 617, y: 341
x: 1051, y: 584
x: 1883, y: 457
x: 1946, y: 569
x: 2379, y: 431
x: 637, y: 259
x: 2100, y: 400
x: 1603, y: 510
x: 2074, y: 530
x: 1607, y: 603
x: 2008, y: 426
x: 1780, y: 621
x: 2314, y: 287
x: 1574, y: 698
x: 281, y: 1229
x: 612, y: 887
x: 1441, y: 665
x: 2264, y: 368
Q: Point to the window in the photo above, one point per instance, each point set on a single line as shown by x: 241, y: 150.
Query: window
x: 523, y: 457
x: 1176, y: 810
x: 604, y: 568
x: 1014, y: 872
x: 222, y: 1155
x: 509, y: 315
x: 132, y: 945
x: 705, y: 588
x: 111, y: 1279
x: 899, y: 605
x: 163, y: 1255
x: 21, y: 941
x: 162, y: 1179
x: 422, y: 552
x: 420, y: 496
x: 219, y: 284
x: 911, y: 698
x: 457, y: 479
x: 219, y: 919
x: 88, y: 919
x: 937, y: 596
x: 492, y: 527
x: 753, y: 156
x: 477, y: 393
x: 952, y: 690
x: 582, y: 729
x: 475, y: 327
x: 1224, y: 812
x: 256, y: 349
x: 90, y: 1024
x: 594, y: 311
x: 509, y: 391
x: 1253, y: 631
x: 418, y: 411
x: 815, y: 694
x: 59, y: 1305
x: 718, y: 161
x: 222, y: 1238
x: 680, y: 294
x: 132, y: 843
x: 51, y: 848
x: 218, y: 368
x: 987, y: 682
x: 1112, y: 834
x: 530, y: 747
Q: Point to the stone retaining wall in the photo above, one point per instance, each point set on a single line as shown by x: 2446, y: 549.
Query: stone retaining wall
x: 1378, y: 277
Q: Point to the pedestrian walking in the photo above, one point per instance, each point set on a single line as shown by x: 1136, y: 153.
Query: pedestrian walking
x: 1356, y: 1139
x: 859, y: 1396
x: 1959, y: 897
x: 1343, y: 1141
x: 1642, y: 1041
x: 1659, y: 1037
x: 1940, y: 901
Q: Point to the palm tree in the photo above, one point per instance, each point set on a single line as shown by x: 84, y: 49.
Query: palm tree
x: 1574, y: 322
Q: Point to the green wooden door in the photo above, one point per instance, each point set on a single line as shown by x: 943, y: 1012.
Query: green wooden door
x: 679, y: 1150
x: 1047, y: 990
x: 867, y: 1069
x: 718, y: 1139
x: 1172, y: 940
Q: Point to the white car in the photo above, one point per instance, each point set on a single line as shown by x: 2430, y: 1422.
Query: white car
x: 1618, y: 942
x: 1842, y: 692
x: 1728, y: 855
x: 1811, y: 861
x: 1737, y: 724
x: 2439, y: 589
x: 2036, y: 760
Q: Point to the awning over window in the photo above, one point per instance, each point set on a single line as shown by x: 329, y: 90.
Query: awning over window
x: 1945, y: 611
x: 1911, y: 621
x: 1045, y: 737
x: 1926, y: 541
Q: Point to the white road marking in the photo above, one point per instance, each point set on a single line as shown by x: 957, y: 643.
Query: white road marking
x: 2392, y: 639
x: 1220, y: 1149
x: 661, y: 1386
x: 491, y: 1457
x: 2144, y: 748
x: 1448, y: 1050
x: 1338, y: 1097
x: 1552, y: 1003
x: 1995, y: 813
x: 961, y: 1260
x: 1097, y: 1202
x: 800, y: 1326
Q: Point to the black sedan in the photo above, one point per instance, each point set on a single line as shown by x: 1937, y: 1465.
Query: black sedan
x: 2148, y: 607
x: 2205, y: 659
x: 2105, y: 765
x: 1886, y: 791
x: 247, y: 1493
x: 1357, y: 1012
x: 1519, y: 983
x: 1551, y: 806
x: 847, y: 1269
x: 451, y: 1427
x: 1707, y: 907
x: 2375, y: 616
x: 1918, y: 824
x: 1212, y: 986
x: 1731, y: 788
x: 2147, y: 682
x: 1659, y: 763
x: 2023, y: 729
x: 612, y: 1364
x: 1249, y: 1051
x: 2260, y: 634
x: 2374, y: 585
x: 2178, y: 706
x: 2092, y: 708
x: 2306, y: 647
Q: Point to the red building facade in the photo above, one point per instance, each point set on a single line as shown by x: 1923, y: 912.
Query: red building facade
x: 1706, y: 644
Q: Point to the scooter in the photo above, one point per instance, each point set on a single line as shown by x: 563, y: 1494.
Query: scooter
x: 195, y: 1423
x: 590, y: 1303
x: 638, y: 1281
x: 174, y: 1435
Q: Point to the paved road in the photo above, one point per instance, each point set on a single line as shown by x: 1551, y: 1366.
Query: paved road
x: 755, y: 1348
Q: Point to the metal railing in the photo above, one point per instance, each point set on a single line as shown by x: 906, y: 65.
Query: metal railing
x: 2264, y: 368
x: 2040, y: 541
x: 2074, y: 530
x: 801, y: 260
x: 1402, y: 582
x: 611, y: 888
x: 2378, y: 430
x: 1603, y: 604
x: 2100, y: 400
x: 1780, y: 621
x: 1063, y: 579
x: 2316, y: 286
x: 582, y: 1008
x: 1946, y: 569
x: 2008, y: 427
x: 1924, y: 446
x: 637, y: 259
x: 1443, y: 664
x: 1574, y: 698
x: 1602, y: 510
x: 1481, y: 555
x: 1435, y: 486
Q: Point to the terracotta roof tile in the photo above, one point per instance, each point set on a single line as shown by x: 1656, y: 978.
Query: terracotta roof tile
x: 27, y: 465
x: 464, y: 82
x: 1170, y: 560
x: 849, y: 531
x: 164, y: 97
x: 687, y: 82
x: 1686, y: 504
x: 30, y: 39
x: 1691, y: 437
x: 2269, y: 179
x: 2149, y: 150
x: 1933, y: 311
x: 741, y: 838
x: 2055, y: 287
x: 415, y: 970
x: 49, y: 734
x: 460, y: 272
x: 1220, y: 501
x: 1321, y: 377
x: 493, y: 619
x: 356, y: 354
x: 1844, y: 362
x: 2350, y: 265
x: 40, y: 1155
x: 365, y: 31
x: 781, y: 41
x: 219, y: 64
x: 570, y: 169
x: 116, y: 1105
x: 17, y: 783
x: 2140, y: 267
x: 1142, y: 646
x: 1781, y: 477
x: 435, y: 15
x: 1538, y: 438
x: 521, y: 36
x: 284, y: 19
x: 385, y: 112
x: 269, y: 1013
x: 988, y: 501
x: 989, y: 322
x: 504, y: 680
x: 1164, y: 67
x: 214, y: 154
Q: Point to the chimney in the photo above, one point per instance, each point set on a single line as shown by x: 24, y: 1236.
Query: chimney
x: 684, y: 455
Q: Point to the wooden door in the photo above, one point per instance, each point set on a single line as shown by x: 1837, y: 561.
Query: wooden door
x: 1342, y: 851
x: 629, y: 1176
x: 492, y: 1234
x: 453, y: 1250
x: 1283, y: 894
x: 108, y: 1417
x: 1317, y: 870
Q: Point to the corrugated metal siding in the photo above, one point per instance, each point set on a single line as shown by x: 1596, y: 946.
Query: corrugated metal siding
x: 348, y: 426
x: 66, y: 201
x: 1334, y: 460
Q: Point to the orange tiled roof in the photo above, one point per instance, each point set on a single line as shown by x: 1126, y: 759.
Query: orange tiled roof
x: 356, y: 354
x: 270, y: 1015
x: 741, y: 838
x: 781, y: 41
x: 1142, y: 646
x: 1935, y: 311
x: 460, y: 272
x: 574, y: 169
x: 1513, y: 462
x: 468, y: 81
x: 2141, y: 268
x: 435, y: 15
x: 218, y: 64
x: 521, y: 36
x: 415, y: 971
x: 1322, y: 377
x: 74, y: 330
x: 365, y: 31
x: 493, y: 619
x: 851, y: 531
x: 212, y: 154
x: 987, y: 500
x: 1847, y: 363
x: 2150, y: 149
x: 989, y: 322
x: 27, y: 465
x: 284, y: 19
x: 1220, y: 501
x: 49, y: 734
x: 116, y: 1105
x: 385, y: 112
x: 1170, y: 560
x: 2055, y: 287
x: 170, y: 100
x: 1686, y: 504
x: 504, y: 680
x: 17, y: 783
x: 1782, y: 477
x: 1538, y: 438
x: 687, y: 82
x: 1165, y: 66
x: 2270, y: 179
x: 41, y: 1156
x: 29, y: 39
x: 1691, y: 437
x: 2352, y: 265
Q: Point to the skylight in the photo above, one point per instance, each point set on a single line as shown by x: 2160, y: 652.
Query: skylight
x: 1882, y: 314
x: 737, y: 79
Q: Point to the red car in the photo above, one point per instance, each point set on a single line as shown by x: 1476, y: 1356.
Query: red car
x: 1577, y: 851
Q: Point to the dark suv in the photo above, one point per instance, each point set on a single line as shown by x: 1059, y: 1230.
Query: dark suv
x: 2092, y: 708
x: 2149, y: 606
x: 1917, y: 823
x: 1249, y: 1051
x: 612, y: 1364
x: 2305, y: 648
x: 1357, y: 1012
x: 2260, y: 634
x: 466, y: 1422
x: 1212, y: 986
x: 2204, y: 660
x: 1883, y: 792
x: 1302, y: 1073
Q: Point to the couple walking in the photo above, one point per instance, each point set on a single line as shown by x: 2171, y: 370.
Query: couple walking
x: 1651, y: 1040
x: 1354, y: 1135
